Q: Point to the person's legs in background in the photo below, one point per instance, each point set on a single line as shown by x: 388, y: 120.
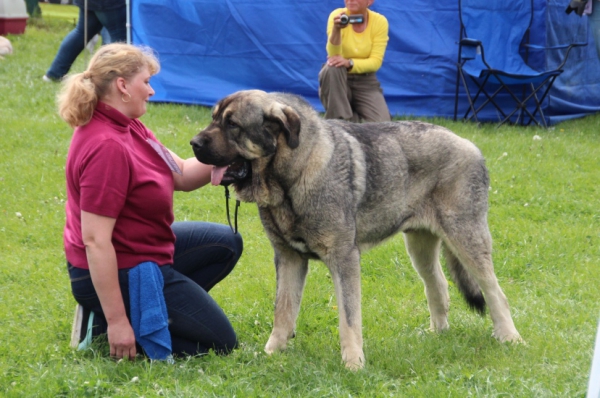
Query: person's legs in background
x: 105, y: 36
x: 334, y: 93
x: 594, y: 21
x: 367, y: 98
x: 72, y: 45
x: 33, y: 8
x: 115, y: 23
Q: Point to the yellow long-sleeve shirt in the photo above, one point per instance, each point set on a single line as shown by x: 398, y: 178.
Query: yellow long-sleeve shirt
x: 367, y: 48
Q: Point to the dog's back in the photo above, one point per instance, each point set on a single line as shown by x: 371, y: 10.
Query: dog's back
x: 402, y: 172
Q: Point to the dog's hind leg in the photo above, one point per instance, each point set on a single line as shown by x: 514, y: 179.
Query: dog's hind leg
x: 344, y: 266
x: 472, y: 246
x: 291, y: 276
x: 424, y: 250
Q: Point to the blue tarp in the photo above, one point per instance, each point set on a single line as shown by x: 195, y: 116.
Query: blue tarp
x: 209, y: 49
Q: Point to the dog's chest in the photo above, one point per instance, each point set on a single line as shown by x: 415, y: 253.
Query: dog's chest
x: 285, y: 228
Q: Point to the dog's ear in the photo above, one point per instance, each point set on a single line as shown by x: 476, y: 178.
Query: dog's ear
x: 288, y: 121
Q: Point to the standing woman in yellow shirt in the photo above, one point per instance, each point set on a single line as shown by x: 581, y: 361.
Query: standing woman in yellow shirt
x: 348, y: 85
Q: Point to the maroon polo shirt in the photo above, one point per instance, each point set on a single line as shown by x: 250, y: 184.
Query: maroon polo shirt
x: 113, y: 171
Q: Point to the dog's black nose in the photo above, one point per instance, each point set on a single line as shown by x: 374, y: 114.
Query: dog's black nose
x: 199, y: 141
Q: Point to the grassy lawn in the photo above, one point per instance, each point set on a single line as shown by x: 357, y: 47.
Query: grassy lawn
x: 59, y: 11
x: 544, y: 218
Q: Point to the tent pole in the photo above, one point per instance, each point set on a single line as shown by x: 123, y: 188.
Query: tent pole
x: 85, y: 30
x: 128, y: 26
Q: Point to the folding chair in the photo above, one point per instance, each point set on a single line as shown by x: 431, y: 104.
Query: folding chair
x: 492, y: 35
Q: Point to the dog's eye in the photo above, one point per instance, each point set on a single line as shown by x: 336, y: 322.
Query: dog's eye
x: 231, y: 124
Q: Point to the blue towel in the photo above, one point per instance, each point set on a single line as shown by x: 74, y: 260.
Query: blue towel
x: 149, y: 317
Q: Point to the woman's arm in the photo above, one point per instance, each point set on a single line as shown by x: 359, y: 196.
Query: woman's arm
x: 194, y: 174
x: 334, y: 35
x: 97, y: 237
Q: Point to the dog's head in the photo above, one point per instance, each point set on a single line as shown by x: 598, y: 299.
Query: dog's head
x: 247, y: 126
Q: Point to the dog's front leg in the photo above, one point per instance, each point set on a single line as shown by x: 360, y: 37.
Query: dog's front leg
x: 291, y: 275
x: 345, y: 272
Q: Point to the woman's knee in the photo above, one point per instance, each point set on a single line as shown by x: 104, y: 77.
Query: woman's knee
x: 227, y: 238
x: 237, y: 244
x: 332, y: 74
x: 227, y: 345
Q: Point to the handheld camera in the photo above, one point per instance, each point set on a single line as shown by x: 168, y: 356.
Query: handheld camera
x: 351, y: 19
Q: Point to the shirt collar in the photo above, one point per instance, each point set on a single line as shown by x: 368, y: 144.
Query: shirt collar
x: 113, y: 114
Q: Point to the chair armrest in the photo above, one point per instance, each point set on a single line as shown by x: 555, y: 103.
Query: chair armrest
x: 567, y: 46
x: 469, y: 42
x: 538, y: 47
x: 468, y: 48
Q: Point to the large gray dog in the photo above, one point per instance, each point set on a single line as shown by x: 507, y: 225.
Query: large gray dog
x: 329, y: 189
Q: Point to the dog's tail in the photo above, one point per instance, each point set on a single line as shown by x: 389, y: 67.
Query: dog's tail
x: 466, y: 284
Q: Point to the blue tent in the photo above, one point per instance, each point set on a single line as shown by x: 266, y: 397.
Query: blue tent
x: 209, y: 49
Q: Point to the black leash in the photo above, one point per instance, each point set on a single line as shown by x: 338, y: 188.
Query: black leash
x: 237, y: 205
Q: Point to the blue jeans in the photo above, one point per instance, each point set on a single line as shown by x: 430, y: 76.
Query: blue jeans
x: 205, y: 253
x: 73, y: 44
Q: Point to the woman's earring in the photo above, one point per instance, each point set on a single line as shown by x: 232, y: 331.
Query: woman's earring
x: 123, y: 97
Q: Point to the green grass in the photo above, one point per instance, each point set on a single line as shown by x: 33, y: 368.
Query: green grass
x: 544, y: 217
x: 59, y: 11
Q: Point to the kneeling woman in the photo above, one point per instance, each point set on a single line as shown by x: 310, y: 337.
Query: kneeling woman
x: 137, y: 275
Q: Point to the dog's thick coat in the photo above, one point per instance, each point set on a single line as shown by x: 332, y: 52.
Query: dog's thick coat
x: 329, y: 189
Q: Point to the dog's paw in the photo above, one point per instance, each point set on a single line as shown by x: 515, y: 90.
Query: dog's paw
x: 354, y: 360
x: 439, y: 326
x: 512, y: 337
x: 275, y: 344
x: 355, y: 366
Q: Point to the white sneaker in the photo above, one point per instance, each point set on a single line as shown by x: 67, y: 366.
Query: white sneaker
x: 81, y: 333
x: 47, y: 79
x: 77, y: 320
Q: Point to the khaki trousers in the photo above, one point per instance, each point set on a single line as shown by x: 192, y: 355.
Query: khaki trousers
x: 352, y: 97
